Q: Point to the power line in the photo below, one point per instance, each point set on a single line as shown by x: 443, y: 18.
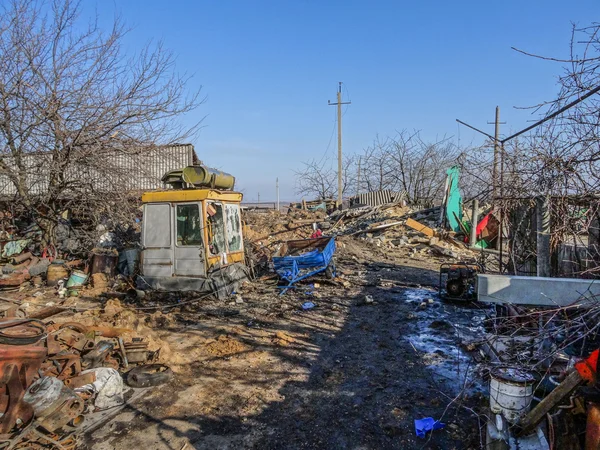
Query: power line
x: 554, y: 114
x: 330, y: 139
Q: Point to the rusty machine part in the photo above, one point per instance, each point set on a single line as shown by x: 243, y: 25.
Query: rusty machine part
x: 80, y: 380
x: 73, y: 340
x: 18, y: 367
x: 149, y: 375
x: 458, y: 281
x: 34, y: 437
x: 21, y: 331
x: 96, y: 356
x: 55, y: 405
x: 62, y: 366
x: 137, y: 352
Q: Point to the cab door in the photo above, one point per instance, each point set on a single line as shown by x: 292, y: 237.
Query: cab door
x: 189, y: 245
x: 157, y: 258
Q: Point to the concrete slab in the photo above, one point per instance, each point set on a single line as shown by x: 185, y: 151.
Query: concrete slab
x: 537, y: 291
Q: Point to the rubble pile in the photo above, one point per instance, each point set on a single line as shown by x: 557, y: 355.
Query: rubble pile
x: 387, y: 227
x: 264, y: 232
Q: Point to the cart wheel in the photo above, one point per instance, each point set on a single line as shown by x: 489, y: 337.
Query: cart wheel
x: 330, y: 270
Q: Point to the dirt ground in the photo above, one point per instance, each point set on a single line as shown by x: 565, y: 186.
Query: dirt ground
x: 259, y: 372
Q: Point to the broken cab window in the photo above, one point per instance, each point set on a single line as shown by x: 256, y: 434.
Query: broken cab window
x: 189, y: 229
x: 234, y: 228
x: 216, y: 228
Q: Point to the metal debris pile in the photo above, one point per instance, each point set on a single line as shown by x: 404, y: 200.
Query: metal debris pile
x: 27, y: 257
x: 57, y: 376
x: 542, y: 367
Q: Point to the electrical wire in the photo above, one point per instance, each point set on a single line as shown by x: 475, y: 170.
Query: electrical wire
x: 324, y: 155
x: 345, y: 90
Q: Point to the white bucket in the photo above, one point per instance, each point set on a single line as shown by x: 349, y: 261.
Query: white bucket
x: 511, y: 393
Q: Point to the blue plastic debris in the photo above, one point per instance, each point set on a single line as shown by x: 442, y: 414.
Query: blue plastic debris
x: 311, y: 288
x: 293, y: 268
x: 308, y: 305
x: 422, y: 426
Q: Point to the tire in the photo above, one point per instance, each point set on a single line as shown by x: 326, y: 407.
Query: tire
x: 149, y: 375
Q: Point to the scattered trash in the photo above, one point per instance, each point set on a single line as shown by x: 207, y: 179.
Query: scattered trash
x: 308, y: 305
x: 108, y: 387
x: 367, y: 300
x: 422, y: 426
x: 149, y: 375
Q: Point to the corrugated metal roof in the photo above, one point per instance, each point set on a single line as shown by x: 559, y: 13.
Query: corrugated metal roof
x: 376, y: 198
x: 120, y: 171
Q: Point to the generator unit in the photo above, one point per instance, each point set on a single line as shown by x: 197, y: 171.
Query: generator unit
x: 458, y: 281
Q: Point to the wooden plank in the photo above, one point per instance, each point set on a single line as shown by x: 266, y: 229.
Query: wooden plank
x: 535, y: 416
x: 420, y: 227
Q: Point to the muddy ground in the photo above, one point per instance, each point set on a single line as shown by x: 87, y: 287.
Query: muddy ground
x: 346, y: 374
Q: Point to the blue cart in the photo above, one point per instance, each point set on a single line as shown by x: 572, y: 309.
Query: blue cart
x: 304, y: 258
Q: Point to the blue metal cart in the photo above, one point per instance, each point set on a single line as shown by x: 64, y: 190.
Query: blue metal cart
x: 304, y: 258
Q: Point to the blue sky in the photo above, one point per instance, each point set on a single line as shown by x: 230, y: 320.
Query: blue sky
x: 267, y: 69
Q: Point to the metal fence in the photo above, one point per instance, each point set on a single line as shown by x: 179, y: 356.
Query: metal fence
x: 377, y: 198
x: 111, y: 171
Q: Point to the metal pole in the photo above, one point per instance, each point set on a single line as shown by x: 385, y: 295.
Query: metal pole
x: 258, y: 199
x: 339, y: 113
x: 358, y: 177
x: 496, y: 155
x: 474, y: 218
x: 543, y: 236
x: 277, y: 189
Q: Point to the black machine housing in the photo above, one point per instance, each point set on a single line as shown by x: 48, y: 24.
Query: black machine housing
x: 458, y: 281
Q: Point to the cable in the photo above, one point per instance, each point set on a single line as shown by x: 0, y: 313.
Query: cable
x: 348, y: 97
x: 330, y: 139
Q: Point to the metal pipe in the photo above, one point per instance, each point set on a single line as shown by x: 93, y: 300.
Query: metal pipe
x: 474, y: 218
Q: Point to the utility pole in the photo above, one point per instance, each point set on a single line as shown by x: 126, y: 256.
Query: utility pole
x: 258, y: 199
x: 277, y: 190
x: 339, y: 121
x: 358, y: 177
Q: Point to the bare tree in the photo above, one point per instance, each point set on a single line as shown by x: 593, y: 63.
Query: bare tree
x: 405, y: 162
x: 318, y: 179
x: 70, y: 96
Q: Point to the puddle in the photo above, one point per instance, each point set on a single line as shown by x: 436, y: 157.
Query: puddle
x: 437, y: 331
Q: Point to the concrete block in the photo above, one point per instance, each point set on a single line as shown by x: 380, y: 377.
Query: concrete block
x: 537, y: 291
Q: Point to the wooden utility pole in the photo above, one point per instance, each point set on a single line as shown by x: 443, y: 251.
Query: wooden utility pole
x: 339, y: 104
x: 358, y: 177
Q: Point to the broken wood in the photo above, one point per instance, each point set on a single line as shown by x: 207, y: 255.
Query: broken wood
x: 443, y: 251
x: 21, y: 258
x: 47, y: 312
x: 535, y: 416
x: 420, y: 227
x: 378, y: 227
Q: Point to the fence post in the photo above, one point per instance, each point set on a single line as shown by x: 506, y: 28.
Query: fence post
x: 542, y: 212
